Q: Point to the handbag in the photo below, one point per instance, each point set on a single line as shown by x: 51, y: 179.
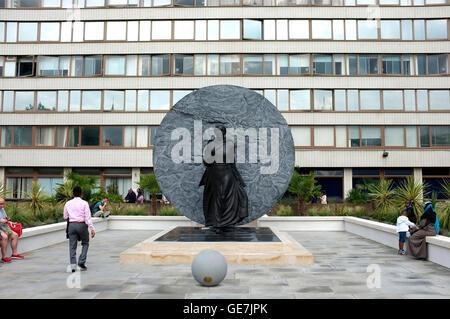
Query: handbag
x: 16, y: 227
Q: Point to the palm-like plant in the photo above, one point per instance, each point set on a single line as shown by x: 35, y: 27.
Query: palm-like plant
x: 3, y: 191
x: 414, y: 191
x: 304, y: 187
x: 64, y: 192
x: 383, y: 194
x: 37, y: 197
x: 444, y: 210
x: 149, y: 184
x: 87, y: 184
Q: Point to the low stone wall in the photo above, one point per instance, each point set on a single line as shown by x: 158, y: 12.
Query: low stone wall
x: 438, y: 246
x: 43, y: 236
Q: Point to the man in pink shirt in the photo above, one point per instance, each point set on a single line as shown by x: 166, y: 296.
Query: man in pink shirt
x: 78, y: 214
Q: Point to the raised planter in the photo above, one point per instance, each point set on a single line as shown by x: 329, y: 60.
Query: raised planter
x: 148, y: 222
x: 303, y: 223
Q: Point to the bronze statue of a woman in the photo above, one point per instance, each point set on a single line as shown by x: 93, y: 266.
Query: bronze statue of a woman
x: 225, y: 201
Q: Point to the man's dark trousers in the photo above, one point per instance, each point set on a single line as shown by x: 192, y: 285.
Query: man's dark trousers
x: 78, y: 232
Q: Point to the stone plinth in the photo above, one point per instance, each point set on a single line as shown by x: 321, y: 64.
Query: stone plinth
x: 172, y: 247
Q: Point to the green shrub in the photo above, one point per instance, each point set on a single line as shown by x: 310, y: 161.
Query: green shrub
x: 319, y: 211
x: 168, y: 211
x: 390, y: 217
x: 19, y: 215
x: 135, y: 211
x: 287, y: 200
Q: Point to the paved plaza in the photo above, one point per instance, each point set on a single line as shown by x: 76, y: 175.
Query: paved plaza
x: 340, y: 271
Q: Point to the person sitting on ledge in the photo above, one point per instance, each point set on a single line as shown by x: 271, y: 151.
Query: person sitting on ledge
x: 100, y: 208
x: 7, y: 234
x: 131, y: 197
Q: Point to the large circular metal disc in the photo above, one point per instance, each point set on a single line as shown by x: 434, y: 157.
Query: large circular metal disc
x: 267, y: 177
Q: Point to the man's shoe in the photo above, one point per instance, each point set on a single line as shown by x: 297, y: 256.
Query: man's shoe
x: 82, y: 267
x: 6, y: 260
x: 17, y: 256
x: 106, y: 214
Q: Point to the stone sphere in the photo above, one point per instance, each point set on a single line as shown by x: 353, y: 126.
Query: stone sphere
x: 238, y: 108
x: 209, y: 268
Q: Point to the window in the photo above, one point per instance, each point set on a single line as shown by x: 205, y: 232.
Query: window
x: 78, y: 31
x: 391, y: 64
x: 439, y: 100
x: 90, y: 136
x: 341, y: 136
x: 322, y: 64
x: 324, y: 136
x: 340, y: 100
x: 24, y: 101
x: 323, y: 100
x: 112, y: 136
x: 131, y: 65
x: 253, y: 64
x: 50, y: 31
x: 143, y: 100
x: 93, y: 31
x: 393, y: 100
x: 93, y: 65
x: 144, y: 67
x: 301, y: 135
x: 424, y: 132
x: 142, y: 136
x: 390, y: 29
x: 338, y: 30
x: 45, y: 136
x: 129, y: 139
x: 350, y: 29
x: 213, y: 64
x: 160, y: 64
x: 269, y: 30
x: 269, y: 64
x: 26, y: 66
x: 18, y: 186
x: 73, y: 136
x: 410, y: 100
x: 116, y: 30
x: 161, y: 30
x: 230, y: 65
x: 184, y: 30
x: 27, y: 32
x: 283, y: 100
x: 368, y: 64
x: 46, y: 100
x: 92, y: 100
x: 2, y: 31
x: 114, y: 100
x: 184, y: 64
x: 179, y: 94
x: 252, y: 29
x: 367, y: 29
x: 298, y: 29
x: 411, y: 136
x: 66, y: 31
x: 407, y: 65
x: 153, y: 130
x: 300, y: 100
x: 394, y: 136
x: 77, y: 66
x: 132, y: 30
x: 299, y: 64
x: 339, y: 64
x: 11, y: 32
x: 407, y: 33
x: 95, y: 3
x: 6, y: 136
x: 438, y: 64
x: 29, y: 3
x: 213, y: 30
x: 200, y: 30
x: 436, y: 29
x: 353, y: 100
x: 49, y: 184
x: 370, y: 99
x: 230, y: 29
x: 352, y: 64
x: 283, y: 64
x: 419, y: 29
x: 23, y: 136
x: 159, y: 100
x: 421, y: 66
x: 115, y: 65
x: 61, y: 136
x: 440, y: 135
x: 144, y: 30
x: 130, y: 100
x: 371, y: 136
x: 63, y: 101
x: 422, y: 100
x: 48, y: 66
x: 321, y: 29
x: 282, y: 30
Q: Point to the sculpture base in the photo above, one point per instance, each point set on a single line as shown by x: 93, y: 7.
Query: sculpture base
x: 241, y: 245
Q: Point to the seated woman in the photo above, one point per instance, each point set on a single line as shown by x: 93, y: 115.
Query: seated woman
x: 428, y: 226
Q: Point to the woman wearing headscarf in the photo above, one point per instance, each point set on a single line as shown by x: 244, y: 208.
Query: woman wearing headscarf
x: 428, y: 226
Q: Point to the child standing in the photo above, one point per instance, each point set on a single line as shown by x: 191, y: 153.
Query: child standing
x: 402, y: 227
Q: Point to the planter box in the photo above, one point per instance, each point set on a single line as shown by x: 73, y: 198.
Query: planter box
x: 148, y: 222
x: 303, y: 223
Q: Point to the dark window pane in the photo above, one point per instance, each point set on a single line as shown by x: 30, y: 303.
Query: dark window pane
x: 6, y: 136
x: 86, y: 171
x: 184, y: 64
x: 329, y: 172
x: 90, y: 136
x: 117, y: 171
x: 366, y: 172
x: 421, y: 66
x: 352, y: 65
x: 29, y: 3
x: 424, y: 136
x: 93, y: 65
x: 26, y: 67
x: 391, y: 64
x: 440, y: 135
x: 112, y: 136
x: 253, y: 64
x: 333, y: 187
x: 22, y: 136
x: 436, y: 171
x: 19, y: 171
x: 51, y: 171
x: 368, y: 64
x: 398, y: 172
x: 153, y: 130
x: 322, y: 64
x: 73, y: 136
x: 434, y: 185
x: 160, y: 64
